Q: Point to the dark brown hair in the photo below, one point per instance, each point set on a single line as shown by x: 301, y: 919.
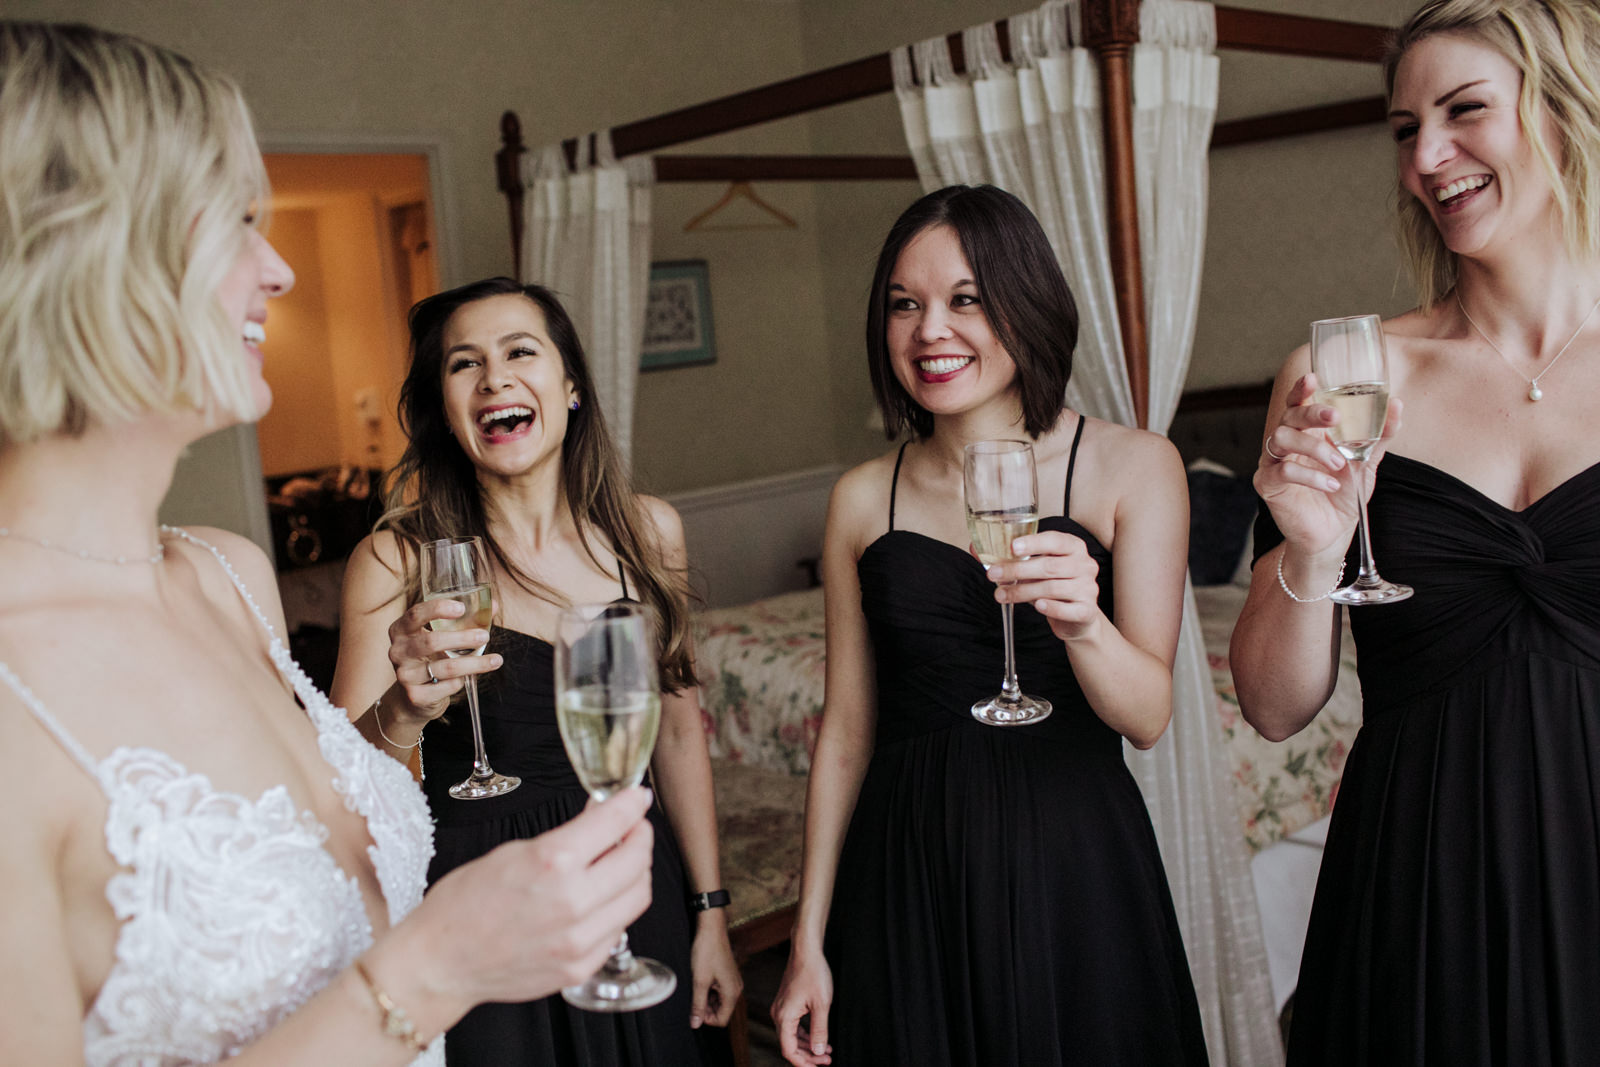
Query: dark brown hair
x: 1023, y: 293
x: 433, y: 491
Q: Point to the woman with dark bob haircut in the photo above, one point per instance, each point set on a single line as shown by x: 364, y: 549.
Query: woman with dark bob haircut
x: 204, y: 860
x: 1457, y: 912
x: 978, y: 896
x: 506, y: 441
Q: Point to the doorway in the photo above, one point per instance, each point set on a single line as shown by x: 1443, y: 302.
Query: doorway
x: 358, y: 229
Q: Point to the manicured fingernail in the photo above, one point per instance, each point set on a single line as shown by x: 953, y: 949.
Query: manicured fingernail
x: 495, y: 661
x: 816, y: 1050
x: 1332, y: 484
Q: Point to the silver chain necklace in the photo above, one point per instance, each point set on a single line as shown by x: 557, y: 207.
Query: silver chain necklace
x: 153, y: 558
x: 1534, y: 392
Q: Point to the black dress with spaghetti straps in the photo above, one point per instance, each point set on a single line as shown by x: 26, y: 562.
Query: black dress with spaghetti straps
x: 517, y: 703
x: 1000, y: 897
x: 1457, y: 913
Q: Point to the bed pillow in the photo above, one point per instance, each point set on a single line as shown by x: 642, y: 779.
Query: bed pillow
x: 1222, y: 506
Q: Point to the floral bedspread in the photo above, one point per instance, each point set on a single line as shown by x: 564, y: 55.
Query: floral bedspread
x: 1279, y: 786
x: 761, y: 668
x: 762, y: 671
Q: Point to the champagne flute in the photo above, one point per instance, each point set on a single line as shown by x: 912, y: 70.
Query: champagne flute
x: 1002, y: 498
x: 1347, y: 356
x: 457, y: 569
x: 608, y: 707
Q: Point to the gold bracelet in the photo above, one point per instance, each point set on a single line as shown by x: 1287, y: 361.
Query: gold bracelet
x: 377, y: 720
x: 396, y: 1023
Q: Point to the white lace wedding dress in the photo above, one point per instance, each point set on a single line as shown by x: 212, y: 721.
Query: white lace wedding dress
x: 233, y: 914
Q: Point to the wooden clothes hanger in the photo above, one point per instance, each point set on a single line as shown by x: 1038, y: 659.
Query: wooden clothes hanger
x: 736, y: 190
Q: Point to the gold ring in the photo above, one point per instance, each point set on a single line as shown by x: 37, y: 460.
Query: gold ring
x: 1267, y: 444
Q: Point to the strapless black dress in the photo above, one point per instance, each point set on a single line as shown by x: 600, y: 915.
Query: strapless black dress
x: 1457, y: 916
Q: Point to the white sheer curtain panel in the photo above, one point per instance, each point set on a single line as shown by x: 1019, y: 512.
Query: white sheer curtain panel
x: 1033, y: 127
x: 587, y: 238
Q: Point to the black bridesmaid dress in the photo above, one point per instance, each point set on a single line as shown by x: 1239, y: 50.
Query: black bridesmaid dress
x: 1457, y: 916
x: 1000, y: 897
x: 521, y: 737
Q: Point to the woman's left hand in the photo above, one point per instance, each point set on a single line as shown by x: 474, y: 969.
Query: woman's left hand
x: 717, y: 982
x: 1059, y: 578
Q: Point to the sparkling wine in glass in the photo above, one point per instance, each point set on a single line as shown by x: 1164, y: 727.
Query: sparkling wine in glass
x: 1347, y: 356
x: 457, y: 569
x: 1002, y: 498
x: 608, y: 707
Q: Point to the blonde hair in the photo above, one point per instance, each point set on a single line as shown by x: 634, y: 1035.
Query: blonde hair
x: 1556, y: 46
x: 125, y: 173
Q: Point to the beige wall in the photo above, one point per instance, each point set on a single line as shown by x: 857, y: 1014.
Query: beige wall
x: 1298, y: 228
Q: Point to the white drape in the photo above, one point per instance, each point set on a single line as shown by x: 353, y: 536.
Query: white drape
x: 587, y: 237
x: 1033, y: 127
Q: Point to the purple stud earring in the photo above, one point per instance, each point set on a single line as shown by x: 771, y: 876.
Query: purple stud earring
x: 575, y: 404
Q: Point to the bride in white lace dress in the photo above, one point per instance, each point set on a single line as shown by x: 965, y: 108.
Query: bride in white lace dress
x: 194, y: 867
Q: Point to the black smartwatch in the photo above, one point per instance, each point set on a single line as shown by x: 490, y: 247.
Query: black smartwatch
x: 717, y: 898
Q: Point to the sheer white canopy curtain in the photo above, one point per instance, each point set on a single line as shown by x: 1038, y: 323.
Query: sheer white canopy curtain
x: 1033, y: 127
x: 587, y: 238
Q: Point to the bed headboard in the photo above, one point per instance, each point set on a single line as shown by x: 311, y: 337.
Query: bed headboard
x: 1223, y: 424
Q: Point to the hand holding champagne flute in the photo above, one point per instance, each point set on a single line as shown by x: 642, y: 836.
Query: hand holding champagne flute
x: 608, y: 707
x: 1348, y: 358
x: 456, y: 568
x: 1002, y: 499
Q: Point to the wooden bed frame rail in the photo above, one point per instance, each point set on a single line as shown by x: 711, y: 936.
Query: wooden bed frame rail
x: 1111, y: 28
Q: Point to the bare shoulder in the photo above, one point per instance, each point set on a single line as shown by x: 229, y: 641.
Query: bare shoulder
x: 665, y: 518
x: 244, y: 556
x: 375, y: 573
x: 859, y: 503
x: 1130, y: 455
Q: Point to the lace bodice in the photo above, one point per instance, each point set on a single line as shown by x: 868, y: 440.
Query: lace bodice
x: 233, y: 913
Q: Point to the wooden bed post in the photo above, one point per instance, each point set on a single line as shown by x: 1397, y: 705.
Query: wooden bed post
x: 1111, y: 29
x: 508, y: 174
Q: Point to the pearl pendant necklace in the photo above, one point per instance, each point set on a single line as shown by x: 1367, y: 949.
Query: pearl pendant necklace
x: 1535, y: 394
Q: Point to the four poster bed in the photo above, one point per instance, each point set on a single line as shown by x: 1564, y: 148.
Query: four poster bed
x: 763, y: 662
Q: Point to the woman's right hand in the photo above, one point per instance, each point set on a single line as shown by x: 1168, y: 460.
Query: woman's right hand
x: 800, y: 1009
x: 532, y: 916
x: 1309, y: 487
x: 427, y: 677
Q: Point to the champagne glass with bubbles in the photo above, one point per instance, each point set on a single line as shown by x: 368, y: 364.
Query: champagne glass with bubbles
x: 457, y: 569
x: 1347, y: 356
x: 608, y: 707
x: 1002, y: 498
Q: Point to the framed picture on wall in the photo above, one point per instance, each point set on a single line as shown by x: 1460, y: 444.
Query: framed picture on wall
x: 677, y: 316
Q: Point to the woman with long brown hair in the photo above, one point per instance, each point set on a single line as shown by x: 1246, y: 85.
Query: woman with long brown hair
x: 506, y: 442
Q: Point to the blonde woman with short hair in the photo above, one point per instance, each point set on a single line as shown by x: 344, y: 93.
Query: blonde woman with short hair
x: 204, y: 860
x: 1457, y: 916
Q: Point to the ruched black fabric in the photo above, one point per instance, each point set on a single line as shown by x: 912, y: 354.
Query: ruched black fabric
x: 521, y: 737
x: 1000, y: 897
x: 1457, y: 916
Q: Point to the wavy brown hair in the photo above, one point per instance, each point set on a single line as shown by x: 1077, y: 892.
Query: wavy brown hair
x: 433, y: 492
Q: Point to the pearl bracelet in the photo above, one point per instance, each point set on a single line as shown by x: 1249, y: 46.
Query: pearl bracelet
x: 1337, y: 581
x: 377, y: 715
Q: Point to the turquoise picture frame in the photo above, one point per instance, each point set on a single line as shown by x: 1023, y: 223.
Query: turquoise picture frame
x: 678, y: 330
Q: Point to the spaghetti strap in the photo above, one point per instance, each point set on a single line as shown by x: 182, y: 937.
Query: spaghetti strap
x: 894, y: 485
x: 50, y: 722
x: 1072, y: 463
